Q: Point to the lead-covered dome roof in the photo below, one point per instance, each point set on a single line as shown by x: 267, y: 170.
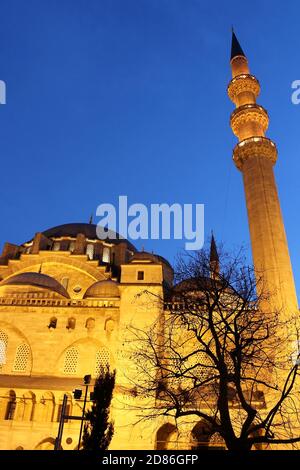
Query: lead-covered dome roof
x: 37, y: 280
x: 89, y: 230
x: 103, y: 289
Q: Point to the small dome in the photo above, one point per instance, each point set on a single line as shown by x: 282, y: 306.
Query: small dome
x: 107, y: 288
x: 38, y: 280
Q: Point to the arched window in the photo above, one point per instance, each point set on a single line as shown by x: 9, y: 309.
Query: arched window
x: 216, y: 442
x: 204, y: 365
x: 11, y: 406
x: 90, y: 323
x: 47, y: 403
x: 166, y: 437
x: 53, y: 322
x: 71, y: 361
x: 102, y: 361
x: 200, y: 436
x: 90, y: 250
x: 203, y: 439
x: 72, y: 246
x: 46, y: 444
x: 106, y: 255
x: 22, y: 358
x: 71, y: 323
x: 3, y: 348
x: 68, y: 409
x: 56, y: 246
x: 26, y: 404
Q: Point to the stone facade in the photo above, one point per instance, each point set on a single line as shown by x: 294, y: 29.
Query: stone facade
x: 67, y: 299
x: 65, y: 304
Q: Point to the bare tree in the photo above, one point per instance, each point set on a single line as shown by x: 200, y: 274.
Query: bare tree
x: 215, y: 355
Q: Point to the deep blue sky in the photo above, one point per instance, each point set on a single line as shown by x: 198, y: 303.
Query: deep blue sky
x: 112, y: 97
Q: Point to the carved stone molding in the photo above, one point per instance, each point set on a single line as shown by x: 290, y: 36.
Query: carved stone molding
x: 248, y: 113
x: 243, y: 83
x: 261, y: 147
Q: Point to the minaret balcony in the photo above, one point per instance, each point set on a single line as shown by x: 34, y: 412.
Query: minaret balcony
x: 260, y: 147
x: 252, y: 114
x: 243, y: 86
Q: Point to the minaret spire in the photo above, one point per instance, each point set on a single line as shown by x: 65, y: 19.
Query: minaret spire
x: 236, y: 49
x: 214, y: 257
x: 255, y: 156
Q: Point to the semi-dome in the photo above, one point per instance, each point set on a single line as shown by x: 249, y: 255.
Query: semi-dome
x: 89, y: 230
x: 106, y: 288
x: 38, y: 280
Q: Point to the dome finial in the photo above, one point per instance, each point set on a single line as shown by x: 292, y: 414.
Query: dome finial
x: 91, y: 219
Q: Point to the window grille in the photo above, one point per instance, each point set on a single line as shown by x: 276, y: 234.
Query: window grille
x: 71, y: 361
x: 204, y: 366
x: 3, y: 348
x: 102, y: 360
x: 21, y: 359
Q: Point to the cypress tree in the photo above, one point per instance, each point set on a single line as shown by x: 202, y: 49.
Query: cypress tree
x: 98, y: 429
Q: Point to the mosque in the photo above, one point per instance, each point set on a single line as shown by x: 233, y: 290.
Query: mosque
x: 66, y: 298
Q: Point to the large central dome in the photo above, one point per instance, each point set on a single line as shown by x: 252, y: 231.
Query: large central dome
x: 89, y: 230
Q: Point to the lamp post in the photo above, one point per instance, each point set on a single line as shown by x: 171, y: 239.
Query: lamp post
x: 86, y: 381
x: 63, y: 417
x: 57, y: 444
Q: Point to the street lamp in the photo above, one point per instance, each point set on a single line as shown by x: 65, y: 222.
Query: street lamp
x: 77, y: 393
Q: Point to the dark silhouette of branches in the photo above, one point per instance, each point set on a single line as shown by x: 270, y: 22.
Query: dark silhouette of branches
x: 216, y: 354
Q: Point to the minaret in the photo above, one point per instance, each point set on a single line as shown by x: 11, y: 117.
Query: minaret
x: 255, y: 156
x: 214, y: 258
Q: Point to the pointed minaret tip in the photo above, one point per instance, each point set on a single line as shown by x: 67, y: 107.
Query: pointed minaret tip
x: 214, y: 257
x: 236, y: 49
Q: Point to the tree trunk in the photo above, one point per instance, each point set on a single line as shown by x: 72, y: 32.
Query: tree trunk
x: 239, y: 445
